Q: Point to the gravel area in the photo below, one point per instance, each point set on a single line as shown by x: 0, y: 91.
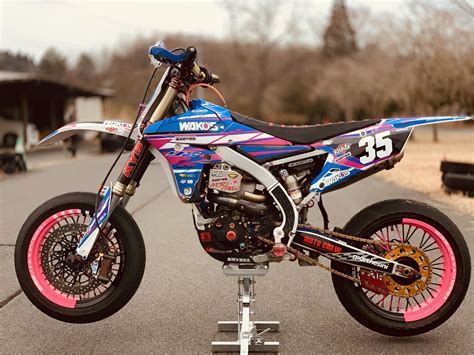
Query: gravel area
x: 419, y: 168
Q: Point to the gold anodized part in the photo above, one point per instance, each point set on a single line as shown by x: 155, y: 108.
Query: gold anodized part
x: 131, y: 188
x: 119, y: 189
x: 416, y: 287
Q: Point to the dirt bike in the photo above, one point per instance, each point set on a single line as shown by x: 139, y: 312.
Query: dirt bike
x: 399, y: 267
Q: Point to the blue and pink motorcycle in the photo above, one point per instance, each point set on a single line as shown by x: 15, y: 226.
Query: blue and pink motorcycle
x: 399, y: 267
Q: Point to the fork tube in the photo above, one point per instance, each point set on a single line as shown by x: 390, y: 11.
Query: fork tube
x: 141, y: 147
x: 165, y: 103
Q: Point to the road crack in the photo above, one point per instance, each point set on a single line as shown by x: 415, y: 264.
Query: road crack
x: 10, y: 298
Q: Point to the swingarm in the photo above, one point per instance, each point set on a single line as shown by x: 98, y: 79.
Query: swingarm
x: 316, y: 242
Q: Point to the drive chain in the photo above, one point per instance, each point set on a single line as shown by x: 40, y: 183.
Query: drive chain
x: 315, y: 262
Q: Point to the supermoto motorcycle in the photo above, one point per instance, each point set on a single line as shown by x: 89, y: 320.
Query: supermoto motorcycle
x: 399, y: 267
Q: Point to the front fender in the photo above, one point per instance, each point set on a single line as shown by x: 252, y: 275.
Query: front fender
x: 112, y: 127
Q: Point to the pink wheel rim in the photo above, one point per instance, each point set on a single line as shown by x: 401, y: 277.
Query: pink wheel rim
x: 448, y: 278
x: 34, y: 261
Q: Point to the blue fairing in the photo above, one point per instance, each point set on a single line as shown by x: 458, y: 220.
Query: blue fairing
x: 185, y: 140
x: 202, y: 117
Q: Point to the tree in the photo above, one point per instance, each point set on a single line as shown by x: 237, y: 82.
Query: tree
x: 339, y: 37
x: 259, y: 47
x: 85, y: 69
x: 16, y: 62
x: 53, y: 65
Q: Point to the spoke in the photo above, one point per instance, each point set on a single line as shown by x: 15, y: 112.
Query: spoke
x: 428, y: 246
x: 422, y: 242
x: 382, y: 299
x: 383, y: 240
x: 410, y: 235
x: 422, y: 295
x: 400, y: 237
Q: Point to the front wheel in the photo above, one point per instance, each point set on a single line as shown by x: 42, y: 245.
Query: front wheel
x: 71, y: 290
x: 434, y: 246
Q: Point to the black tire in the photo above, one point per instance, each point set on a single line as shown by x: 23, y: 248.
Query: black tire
x: 352, y: 296
x: 120, y: 288
x: 457, y: 168
x: 459, y: 181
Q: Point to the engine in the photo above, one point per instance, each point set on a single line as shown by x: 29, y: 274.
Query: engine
x: 236, y: 210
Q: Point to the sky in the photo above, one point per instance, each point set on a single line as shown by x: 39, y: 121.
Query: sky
x: 31, y: 26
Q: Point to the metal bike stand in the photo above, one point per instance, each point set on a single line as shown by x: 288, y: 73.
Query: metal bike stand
x: 249, y: 332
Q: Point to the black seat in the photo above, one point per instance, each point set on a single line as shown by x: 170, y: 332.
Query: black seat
x: 303, y: 134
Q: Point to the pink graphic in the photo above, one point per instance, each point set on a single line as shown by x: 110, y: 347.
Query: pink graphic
x: 34, y: 261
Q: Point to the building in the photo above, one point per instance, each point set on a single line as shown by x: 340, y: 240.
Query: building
x: 29, y: 102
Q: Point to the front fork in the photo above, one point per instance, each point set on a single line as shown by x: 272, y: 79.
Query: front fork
x: 129, y: 179
x: 118, y: 193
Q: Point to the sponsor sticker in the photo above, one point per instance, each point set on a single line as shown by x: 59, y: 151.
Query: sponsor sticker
x: 123, y: 125
x: 334, y: 176
x: 226, y: 181
x: 198, y: 126
x: 342, y: 148
x: 342, y: 157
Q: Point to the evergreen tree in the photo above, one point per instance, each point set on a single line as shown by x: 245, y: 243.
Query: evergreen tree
x: 53, y: 65
x: 85, y: 69
x: 339, y: 38
x: 16, y: 62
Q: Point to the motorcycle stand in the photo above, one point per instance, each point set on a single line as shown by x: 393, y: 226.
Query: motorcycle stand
x: 249, y: 332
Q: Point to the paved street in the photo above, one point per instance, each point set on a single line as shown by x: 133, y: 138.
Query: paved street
x: 184, y: 293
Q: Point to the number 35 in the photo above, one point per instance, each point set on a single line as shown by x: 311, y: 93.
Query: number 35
x: 381, y: 142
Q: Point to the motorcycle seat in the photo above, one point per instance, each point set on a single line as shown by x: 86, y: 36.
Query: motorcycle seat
x: 303, y: 134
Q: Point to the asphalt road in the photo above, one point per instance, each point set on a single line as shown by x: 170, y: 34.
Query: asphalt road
x: 184, y: 293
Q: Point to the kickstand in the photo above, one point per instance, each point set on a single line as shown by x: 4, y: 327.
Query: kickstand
x: 324, y: 213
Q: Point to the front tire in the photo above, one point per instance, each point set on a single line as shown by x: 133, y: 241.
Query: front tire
x: 418, y: 309
x: 70, y: 292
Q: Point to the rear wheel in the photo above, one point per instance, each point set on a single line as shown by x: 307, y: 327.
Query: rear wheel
x: 68, y: 289
x: 435, y: 248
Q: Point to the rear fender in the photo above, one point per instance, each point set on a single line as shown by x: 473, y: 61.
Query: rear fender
x: 421, y: 121
x: 367, y: 151
x: 112, y: 127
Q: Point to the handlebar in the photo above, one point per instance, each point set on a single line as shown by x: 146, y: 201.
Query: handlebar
x: 187, y: 60
x: 203, y: 75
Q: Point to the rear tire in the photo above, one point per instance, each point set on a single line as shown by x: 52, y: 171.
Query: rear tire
x: 401, y: 322
x: 42, y: 277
